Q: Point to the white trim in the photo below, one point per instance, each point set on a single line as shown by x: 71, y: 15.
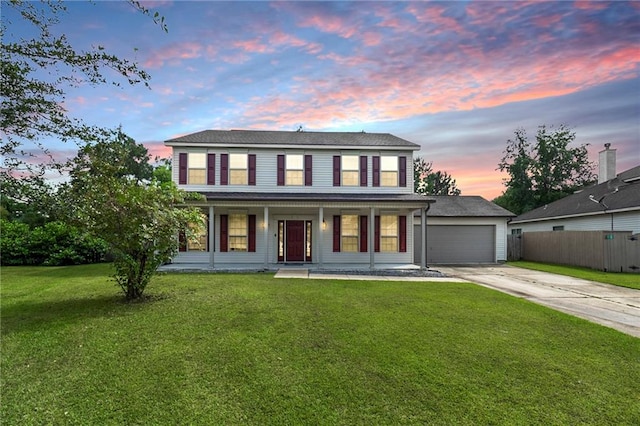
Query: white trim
x: 569, y: 216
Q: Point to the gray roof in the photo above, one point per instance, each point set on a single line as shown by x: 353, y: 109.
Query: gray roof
x: 317, y: 197
x: 465, y: 206
x: 262, y: 137
x: 621, y: 192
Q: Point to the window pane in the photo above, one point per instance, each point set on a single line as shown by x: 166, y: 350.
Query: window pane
x: 197, y: 244
x: 294, y: 177
x: 389, y: 164
x: 197, y: 160
x: 238, y: 243
x: 238, y: 161
x: 350, y: 162
x: 197, y: 241
x: 389, y: 179
x: 197, y: 176
x: 238, y: 232
x: 294, y: 162
x: 349, y: 225
x: 238, y: 177
x: 350, y: 244
x: 388, y: 225
x: 350, y: 179
x: 308, y: 251
x: 388, y: 244
x: 389, y: 233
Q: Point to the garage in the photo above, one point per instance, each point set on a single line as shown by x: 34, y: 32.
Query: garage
x: 447, y: 244
x: 462, y: 230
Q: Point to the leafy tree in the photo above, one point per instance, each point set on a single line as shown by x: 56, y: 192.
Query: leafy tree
x: 37, y: 72
x: 139, y: 219
x: 119, y: 157
x: 27, y: 199
x: 428, y: 182
x: 543, y: 172
x: 162, y: 172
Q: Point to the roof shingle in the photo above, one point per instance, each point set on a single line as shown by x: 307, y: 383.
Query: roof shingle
x: 621, y: 192
x: 264, y: 137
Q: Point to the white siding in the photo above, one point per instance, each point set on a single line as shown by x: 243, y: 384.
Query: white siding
x: 625, y: 221
x: 328, y: 256
x: 266, y: 172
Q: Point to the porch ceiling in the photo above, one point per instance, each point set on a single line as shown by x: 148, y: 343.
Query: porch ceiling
x: 408, y: 200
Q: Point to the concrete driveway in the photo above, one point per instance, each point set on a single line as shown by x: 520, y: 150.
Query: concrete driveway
x: 609, y: 305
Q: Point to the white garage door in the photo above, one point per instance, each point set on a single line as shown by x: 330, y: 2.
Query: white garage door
x: 448, y: 244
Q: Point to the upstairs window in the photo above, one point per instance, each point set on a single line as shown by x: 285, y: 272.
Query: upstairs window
x: 295, y: 169
x: 197, y: 162
x: 350, y: 170
x: 238, y: 166
x: 389, y: 171
x: 237, y: 169
x: 196, y: 168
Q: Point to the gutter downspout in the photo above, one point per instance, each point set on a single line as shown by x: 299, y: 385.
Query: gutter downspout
x: 423, y: 220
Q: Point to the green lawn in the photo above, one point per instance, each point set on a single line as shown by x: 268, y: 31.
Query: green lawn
x: 250, y: 349
x: 615, y: 278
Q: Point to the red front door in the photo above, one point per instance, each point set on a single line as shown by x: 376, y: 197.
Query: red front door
x: 295, y: 241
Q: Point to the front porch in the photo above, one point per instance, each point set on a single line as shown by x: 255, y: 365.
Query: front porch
x: 260, y: 267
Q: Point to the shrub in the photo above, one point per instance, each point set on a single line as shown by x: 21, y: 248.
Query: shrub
x: 55, y: 243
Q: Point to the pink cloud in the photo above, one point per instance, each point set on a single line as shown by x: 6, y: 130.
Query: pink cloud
x: 252, y: 46
x: 331, y: 24
x: 590, y: 5
x: 433, y: 15
x: 370, y: 38
x: 173, y: 54
x: 157, y: 149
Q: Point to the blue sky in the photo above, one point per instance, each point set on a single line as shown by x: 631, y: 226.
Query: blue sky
x: 455, y: 77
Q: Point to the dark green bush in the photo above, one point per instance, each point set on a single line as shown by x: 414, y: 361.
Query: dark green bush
x: 55, y: 243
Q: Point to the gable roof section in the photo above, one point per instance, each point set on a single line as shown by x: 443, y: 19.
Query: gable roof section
x: 465, y: 206
x: 317, y: 139
x: 619, y: 193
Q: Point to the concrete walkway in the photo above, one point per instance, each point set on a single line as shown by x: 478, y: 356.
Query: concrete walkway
x: 314, y: 275
x: 608, y: 305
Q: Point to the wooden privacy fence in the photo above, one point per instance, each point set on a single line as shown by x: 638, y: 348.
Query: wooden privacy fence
x: 615, y: 251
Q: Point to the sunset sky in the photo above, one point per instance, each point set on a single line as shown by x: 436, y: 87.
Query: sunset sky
x: 455, y: 77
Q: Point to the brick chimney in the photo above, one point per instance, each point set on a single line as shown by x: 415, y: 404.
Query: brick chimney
x: 606, y: 164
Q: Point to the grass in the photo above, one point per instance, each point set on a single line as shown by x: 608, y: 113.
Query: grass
x: 250, y: 349
x: 616, y: 278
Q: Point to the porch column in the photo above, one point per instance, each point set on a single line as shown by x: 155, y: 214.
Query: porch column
x: 266, y: 237
x: 320, y: 236
x: 212, y: 238
x: 372, y: 237
x: 423, y: 237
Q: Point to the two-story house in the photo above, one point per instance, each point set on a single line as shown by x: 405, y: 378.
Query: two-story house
x: 323, y: 199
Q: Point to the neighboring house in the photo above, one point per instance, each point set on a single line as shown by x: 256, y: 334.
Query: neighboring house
x: 463, y: 229
x: 314, y: 198
x: 611, y: 205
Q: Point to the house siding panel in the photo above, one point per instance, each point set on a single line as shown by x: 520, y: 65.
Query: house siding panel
x: 623, y: 221
x: 267, y: 180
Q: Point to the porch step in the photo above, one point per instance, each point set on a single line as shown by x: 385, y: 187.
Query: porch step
x: 292, y: 273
